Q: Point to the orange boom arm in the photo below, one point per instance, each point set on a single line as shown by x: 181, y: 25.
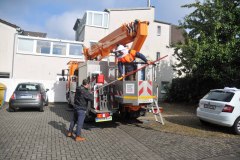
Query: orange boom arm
x: 135, y: 32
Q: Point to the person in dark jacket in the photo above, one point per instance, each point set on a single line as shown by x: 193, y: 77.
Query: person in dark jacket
x: 82, y: 96
x: 127, y: 58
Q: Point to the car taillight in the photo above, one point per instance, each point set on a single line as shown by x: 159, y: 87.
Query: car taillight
x: 103, y: 115
x: 39, y: 96
x: 13, y: 96
x: 228, y: 108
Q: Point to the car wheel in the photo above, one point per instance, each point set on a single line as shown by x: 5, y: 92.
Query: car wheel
x: 41, y: 109
x: 236, y: 126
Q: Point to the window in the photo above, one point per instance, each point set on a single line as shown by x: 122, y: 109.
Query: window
x: 43, y: 47
x: 59, y: 48
x: 158, y: 55
x: 25, y: 45
x: 219, y: 96
x: 99, y: 19
x: 105, y: 22
x: 28, y: 87
x: 90, y: 17
x: 164, y: 86
x: 159, y: 30
x: 75, y: 50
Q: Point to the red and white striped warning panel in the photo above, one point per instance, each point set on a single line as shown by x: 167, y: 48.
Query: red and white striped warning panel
x: 145, y: 93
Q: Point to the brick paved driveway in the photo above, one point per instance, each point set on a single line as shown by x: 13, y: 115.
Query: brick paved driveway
x: 30, y: 134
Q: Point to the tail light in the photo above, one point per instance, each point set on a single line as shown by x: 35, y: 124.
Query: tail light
x: 228, y: 108
x: 103, y: 115
x: 13, y: 96
x: 39, y: 96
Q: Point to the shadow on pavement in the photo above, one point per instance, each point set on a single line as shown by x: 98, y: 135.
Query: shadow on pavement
x: 194, y: 122
x: 62, y: 110
x: 59, y: 126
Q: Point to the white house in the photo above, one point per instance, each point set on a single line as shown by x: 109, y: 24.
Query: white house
x: 30, y: 56
x: 95, y: 25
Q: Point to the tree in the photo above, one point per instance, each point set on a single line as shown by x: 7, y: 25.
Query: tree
x: 212, y: 44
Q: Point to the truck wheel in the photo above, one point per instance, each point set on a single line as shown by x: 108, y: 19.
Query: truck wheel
x: 236, y: 126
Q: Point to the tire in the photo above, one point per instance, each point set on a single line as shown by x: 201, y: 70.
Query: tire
x: 142, y: 112
x: 236, y: 126
x: 46, y: 104
x: 41, y: 109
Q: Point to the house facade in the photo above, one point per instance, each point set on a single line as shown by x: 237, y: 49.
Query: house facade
x: 27, y: 56
x: 31, y: 57
x: 95, y: 25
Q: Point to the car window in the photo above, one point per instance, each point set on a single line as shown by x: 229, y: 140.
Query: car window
x: 219, y: 96
x: 28, y: 87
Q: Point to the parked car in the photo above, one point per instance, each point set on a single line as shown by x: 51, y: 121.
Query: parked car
x: 221, y: 107
x: 28, y: 95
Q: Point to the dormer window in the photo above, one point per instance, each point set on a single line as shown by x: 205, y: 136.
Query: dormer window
x: 97, y: 19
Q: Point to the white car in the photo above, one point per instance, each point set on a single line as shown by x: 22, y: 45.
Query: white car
x: 222, y: 107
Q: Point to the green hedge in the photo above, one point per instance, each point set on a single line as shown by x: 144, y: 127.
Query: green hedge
x: 190, y: 89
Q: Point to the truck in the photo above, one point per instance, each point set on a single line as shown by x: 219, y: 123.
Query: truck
x: 125, y: 99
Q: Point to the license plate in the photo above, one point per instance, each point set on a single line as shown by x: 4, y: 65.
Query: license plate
x: 26, y: 96
x: 103, y: 119
x: 209, y: 106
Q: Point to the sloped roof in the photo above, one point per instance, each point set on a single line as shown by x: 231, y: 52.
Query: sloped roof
x: 9, y: 24
x: 22, y: 32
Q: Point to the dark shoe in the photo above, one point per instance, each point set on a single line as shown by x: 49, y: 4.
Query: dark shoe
x: 69, y: 134
x: 79, y: 138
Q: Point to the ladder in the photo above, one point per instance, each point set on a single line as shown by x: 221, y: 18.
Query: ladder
x: 158, y: 116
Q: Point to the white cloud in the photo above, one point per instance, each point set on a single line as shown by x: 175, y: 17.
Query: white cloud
x: 61, y: 26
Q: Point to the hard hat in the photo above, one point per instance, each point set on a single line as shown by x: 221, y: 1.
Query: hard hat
x: 120, y: 48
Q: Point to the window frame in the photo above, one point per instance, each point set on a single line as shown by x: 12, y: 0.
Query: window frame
x: 91, y: 16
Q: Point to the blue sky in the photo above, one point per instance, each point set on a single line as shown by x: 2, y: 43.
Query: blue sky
x: 57, y: 17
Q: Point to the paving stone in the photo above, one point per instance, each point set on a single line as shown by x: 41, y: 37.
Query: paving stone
x: 29, y: 134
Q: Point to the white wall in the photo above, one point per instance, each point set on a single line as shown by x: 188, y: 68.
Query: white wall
x: 7, y: 36
x: 56, y: 93
x: 37, y: 67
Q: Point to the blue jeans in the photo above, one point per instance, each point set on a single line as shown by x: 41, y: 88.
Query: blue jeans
x: 78, y: 118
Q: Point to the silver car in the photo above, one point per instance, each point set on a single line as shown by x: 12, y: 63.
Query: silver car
x: 222, y: 107
x: 28, y: 95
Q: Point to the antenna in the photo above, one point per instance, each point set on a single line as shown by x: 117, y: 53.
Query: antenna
x: 148, y: 3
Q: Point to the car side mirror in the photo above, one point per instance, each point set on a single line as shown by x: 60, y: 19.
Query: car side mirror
x: 47, y: 90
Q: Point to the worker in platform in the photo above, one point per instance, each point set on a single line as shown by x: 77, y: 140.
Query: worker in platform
x: 81, y: 99
x: 126, y: 57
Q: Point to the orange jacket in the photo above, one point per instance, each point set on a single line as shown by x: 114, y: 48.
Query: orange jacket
x: 130, y: 57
